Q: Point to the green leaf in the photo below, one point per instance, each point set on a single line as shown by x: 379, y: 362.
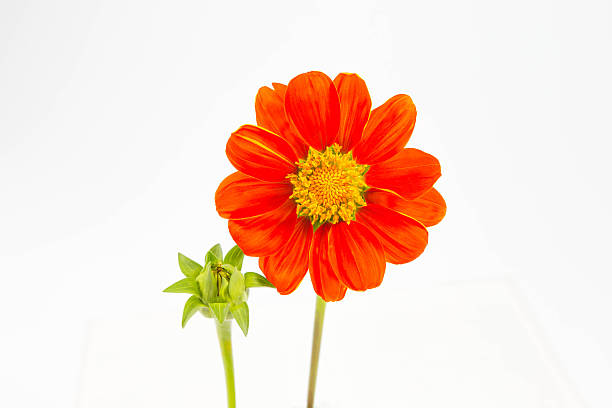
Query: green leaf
x: 188, y: 267
x: 235, y: 256
x: 215, y: 254
x: 240, y: 311
x: 192, y: 305
x: 187, y: 285
x: 236, y: 286
x: 219, y: 310
x: 207, y: 284
x: 253, y: 280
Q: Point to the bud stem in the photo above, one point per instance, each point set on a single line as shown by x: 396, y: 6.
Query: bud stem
x: 316, y: 349
x: 224, y: 333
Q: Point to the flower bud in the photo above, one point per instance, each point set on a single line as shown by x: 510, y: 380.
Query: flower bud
x: 219, y: 289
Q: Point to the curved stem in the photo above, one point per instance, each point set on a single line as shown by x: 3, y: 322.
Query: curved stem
x: 224, y: 333
x: 316, y: 350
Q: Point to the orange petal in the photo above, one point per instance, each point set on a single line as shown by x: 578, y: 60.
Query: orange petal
x: 355, y: 105
x: 356, y: 255
x: 267, y: 233
x: 312, y: 104
x: 260, y: 153
x: 403, y: 238
x: 410, y: 173
x: 387, y: 131
x: 428, y: 209
x: 324, y: 280
x: 278, y: 87
x: 287, y: 267
x: 242, y: 196
x: 270, y: 113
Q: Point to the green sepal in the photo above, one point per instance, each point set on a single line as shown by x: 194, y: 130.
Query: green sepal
x: 230, y: 268
x: 236, y: 286
x: 223, y: 290
x: 215, y: 254
x: 235, y: 256
x: 187, y: 285
x: 219, y: 310
x: 190, y: 268
x: 207, y: 284
x: 240, y: 311
x: 192, y: 305
x: 253, y: 280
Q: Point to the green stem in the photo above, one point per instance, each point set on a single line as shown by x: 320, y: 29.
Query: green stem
x: 316, y: 350
x: 224, y: 333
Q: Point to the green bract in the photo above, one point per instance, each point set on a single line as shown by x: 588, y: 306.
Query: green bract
x: 219, y: 289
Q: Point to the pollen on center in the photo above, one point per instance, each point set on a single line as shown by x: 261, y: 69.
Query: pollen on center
x: 328, y: 186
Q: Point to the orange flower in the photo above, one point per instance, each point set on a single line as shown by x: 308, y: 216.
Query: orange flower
x: 325, y: 185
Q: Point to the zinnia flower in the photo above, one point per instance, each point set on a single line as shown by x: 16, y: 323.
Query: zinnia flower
x: 326, y: 185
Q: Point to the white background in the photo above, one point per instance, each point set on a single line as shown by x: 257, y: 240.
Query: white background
x: 114, y: 116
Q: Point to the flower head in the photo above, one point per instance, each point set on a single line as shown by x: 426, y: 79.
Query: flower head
x: 325, y: 185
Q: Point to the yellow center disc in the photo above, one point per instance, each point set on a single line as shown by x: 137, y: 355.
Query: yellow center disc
x: 328, y: 186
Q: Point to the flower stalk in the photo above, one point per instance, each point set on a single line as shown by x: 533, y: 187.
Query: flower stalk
x: 224, y: 333
x: 317, y: 333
